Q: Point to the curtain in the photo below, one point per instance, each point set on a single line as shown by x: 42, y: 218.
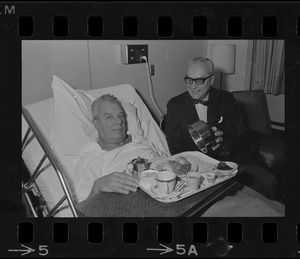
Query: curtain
x: 267, y: 69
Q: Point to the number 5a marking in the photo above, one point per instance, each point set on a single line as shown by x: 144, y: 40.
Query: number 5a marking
x: 43, y: 250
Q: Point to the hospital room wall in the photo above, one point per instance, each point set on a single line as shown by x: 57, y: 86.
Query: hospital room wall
x: 168, y: 57
x: 43, y: 59
x: 96, y: 64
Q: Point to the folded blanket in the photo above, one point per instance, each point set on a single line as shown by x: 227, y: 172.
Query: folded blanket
x: 246, y: 203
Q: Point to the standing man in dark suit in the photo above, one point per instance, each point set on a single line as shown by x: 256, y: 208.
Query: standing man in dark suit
x: 219, y: 109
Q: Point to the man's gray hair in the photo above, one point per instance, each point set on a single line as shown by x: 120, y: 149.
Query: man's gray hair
x: 103, y: 98
x: 207, y: 61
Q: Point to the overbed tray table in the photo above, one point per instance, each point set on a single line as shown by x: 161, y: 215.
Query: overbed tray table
x: 140, y: 204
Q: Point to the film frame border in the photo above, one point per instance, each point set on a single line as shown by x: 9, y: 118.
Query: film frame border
x: 217, y: 13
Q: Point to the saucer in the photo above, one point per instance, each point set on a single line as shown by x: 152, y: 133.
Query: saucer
x: 155, y: 191
x: 147, y: 177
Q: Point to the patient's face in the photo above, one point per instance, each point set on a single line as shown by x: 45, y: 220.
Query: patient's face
x: 199, y: 70
x: 111, y: 123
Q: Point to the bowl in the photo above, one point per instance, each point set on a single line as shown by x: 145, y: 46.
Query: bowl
x: 226, y: 172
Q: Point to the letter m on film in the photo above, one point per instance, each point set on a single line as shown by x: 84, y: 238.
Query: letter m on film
x: 9, y: 9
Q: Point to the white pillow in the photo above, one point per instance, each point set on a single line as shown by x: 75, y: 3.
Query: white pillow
x: 72, y: 123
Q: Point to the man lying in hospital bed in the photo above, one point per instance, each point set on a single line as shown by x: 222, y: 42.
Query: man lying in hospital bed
x: 54, y: 130
x: 97, y: 169
x: 98, y: 165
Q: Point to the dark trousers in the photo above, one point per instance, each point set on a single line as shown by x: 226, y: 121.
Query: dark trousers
x: 255, y: 176
x: 259, y: 179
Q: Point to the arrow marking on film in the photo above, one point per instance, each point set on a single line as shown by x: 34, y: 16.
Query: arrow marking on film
x: 164, y: 250
x: 27, y: 250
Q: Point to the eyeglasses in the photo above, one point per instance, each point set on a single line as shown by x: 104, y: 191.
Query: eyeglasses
x: 198, y: 81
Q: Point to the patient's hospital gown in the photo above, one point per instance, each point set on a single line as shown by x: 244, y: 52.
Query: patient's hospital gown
x: 94, y: 163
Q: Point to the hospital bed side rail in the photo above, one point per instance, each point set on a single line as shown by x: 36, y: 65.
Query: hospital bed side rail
x: 48, y: 154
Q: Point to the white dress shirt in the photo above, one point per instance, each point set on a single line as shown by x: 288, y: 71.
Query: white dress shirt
x: 202, y: 110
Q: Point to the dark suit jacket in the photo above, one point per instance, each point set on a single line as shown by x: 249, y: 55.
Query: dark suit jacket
x: 181, y: 112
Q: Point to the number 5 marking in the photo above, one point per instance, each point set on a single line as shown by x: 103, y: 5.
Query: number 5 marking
x: 43, y: 250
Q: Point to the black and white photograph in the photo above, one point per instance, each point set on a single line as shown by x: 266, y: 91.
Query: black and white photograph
x: 148, y: 128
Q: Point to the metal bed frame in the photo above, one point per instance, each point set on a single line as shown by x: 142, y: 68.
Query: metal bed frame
x: 31, y: 185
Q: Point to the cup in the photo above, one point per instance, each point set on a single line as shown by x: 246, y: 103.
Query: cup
x: 166, y: 181
x: 211, y: 177
x: 194, y: 180
x: 138, y: 165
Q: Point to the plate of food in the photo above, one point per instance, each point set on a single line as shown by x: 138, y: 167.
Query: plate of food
x: 180, y: 165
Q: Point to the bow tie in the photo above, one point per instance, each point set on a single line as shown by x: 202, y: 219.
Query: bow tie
x: 203, y: 102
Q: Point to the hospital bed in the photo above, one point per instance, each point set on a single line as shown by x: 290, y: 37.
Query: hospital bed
x: 50, y: 170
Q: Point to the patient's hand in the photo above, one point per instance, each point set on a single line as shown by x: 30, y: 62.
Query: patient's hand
x: 115, y: 182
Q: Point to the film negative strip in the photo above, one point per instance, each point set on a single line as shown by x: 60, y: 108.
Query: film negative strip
x: 99, y: 44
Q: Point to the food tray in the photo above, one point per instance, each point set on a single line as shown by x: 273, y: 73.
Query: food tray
x: 203, y: 163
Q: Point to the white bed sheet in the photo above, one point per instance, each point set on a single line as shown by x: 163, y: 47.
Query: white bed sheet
x: 42, y: 113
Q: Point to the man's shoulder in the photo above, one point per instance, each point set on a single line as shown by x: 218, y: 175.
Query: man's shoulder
x: 221, y: 94
x: 178, y: 98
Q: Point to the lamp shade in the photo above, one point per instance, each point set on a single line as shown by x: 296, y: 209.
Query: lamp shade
x: 223, y: 56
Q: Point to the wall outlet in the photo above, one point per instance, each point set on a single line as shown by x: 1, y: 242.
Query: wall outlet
x: 132, y: 53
